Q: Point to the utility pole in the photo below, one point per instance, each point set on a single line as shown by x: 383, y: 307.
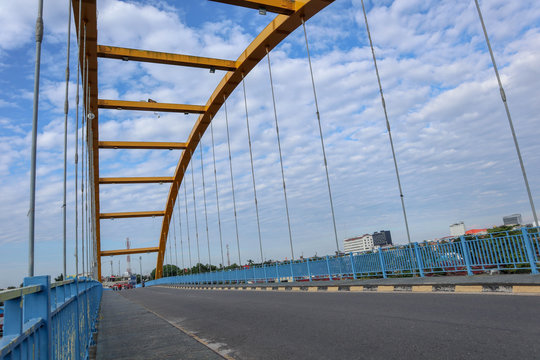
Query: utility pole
x: 111, y: 269
x: 228, y: 257
x: 119, y: 273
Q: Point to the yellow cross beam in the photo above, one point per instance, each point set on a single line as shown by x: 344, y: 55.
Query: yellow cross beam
x: 141, y: 145
x: 136, y: 180
x: 112, y: 52
x: 150, y: 106
x: 122, y: 215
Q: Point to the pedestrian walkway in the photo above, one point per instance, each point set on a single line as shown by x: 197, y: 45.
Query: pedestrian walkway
x: 127, y: 330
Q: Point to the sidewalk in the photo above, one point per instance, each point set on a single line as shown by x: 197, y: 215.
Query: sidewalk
x: 127, y: 330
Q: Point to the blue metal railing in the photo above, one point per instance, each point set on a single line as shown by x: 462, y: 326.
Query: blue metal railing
x: 44, y: 321
x: 514, y: 250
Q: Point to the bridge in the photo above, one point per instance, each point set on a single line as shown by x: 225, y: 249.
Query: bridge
x: 464, y: 296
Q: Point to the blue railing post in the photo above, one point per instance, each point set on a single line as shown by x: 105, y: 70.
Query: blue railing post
x: 330, y: 277
x: 419, y: 259
x: 466, y: 254
x: 381, y: 259
x: 38, y: 305
x: 530, y: 250
x: 265, y: 276
x: 352, y: 265
x: 308, y: 270
x: 277, y: 273
x: 12, y: 318
x: 292, y: 272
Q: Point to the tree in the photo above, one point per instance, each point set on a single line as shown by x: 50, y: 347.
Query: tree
x: 168, y: 270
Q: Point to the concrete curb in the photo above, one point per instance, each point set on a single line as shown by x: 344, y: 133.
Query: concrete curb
x: 441, y: 288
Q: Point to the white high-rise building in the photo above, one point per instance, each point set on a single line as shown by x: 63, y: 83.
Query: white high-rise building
x: 358, y: 244
x: 457, y: 229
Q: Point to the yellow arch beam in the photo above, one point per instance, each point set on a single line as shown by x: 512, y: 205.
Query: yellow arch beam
x: 272, y: 35
x: 129, y: 251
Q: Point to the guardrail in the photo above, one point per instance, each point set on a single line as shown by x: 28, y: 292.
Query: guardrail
x: 49, y: 321
x: 465, y: 255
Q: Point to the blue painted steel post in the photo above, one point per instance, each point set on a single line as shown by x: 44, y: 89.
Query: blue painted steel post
x: 265, y: 276
x: 308, y: 270
x: 381, y: 259
x: 418, y: 259
x: 12, y: 318
x: 292, y: 272
x: 530, y: 250
x: 466, y: 255
x: 38, y: 305
x: 328, y: 268
x: 277, y: 272
x: 352, y: 265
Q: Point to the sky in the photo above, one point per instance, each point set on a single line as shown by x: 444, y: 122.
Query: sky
x: 453, y: 144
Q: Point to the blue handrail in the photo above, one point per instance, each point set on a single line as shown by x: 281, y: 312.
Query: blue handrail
x: 465, y: 255
x: 44, y: 321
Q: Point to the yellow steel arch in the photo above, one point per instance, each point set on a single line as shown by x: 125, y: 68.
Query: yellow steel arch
x: 269, y: 38
x: 290, y: 15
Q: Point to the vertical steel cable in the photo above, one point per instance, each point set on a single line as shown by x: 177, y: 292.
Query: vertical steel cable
x: 507, y: 109
x: 252, y: 170
x: 180, y: 226
x: 217, y: 196
x: 232, y: 180
x: 85, y: 87
x: 321, y: 136
x: 175, y: 245
x: 280, y: 155
x: 77, y: 328
x: 195, y: 214
x: 204, y: 196
x: 32, y: 210
x: 66, y: 111
x: 187, y: 225
x: 387, y: 124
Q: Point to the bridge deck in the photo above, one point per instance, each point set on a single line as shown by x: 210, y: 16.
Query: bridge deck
x: 127, y: 330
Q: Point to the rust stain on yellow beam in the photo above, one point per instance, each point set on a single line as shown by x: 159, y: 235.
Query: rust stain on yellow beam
x: 285, y: 7
x: 122, y: 215
x: 136, y: 180
x: 129, y: 251
x: 150, y: 106
x: 141, y: 145
x: 112, y: 52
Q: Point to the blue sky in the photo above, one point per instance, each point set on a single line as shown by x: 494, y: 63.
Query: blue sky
x: 452, y: 138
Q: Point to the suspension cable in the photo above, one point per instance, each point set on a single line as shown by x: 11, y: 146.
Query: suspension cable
x: 507, y: 109
x: 217, y: 195
x: 204, y: 196
x: 84, y: 84
x: 76, y: 159
x: 180, y: 226
x: 175, y: 244
x: 66, y: 111
x: 387, y: 124
x: 232, y: 180
x: 280, y: 154
x: 321, y: 136
x: 187, y: 226
x: 252, y: 170
x: 195, y: 214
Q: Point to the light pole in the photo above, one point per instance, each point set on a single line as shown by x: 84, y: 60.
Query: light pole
x: 119, y: 274
x: 111, y: 269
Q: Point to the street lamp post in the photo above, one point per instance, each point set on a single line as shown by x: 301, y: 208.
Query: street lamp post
x: 140, y: 267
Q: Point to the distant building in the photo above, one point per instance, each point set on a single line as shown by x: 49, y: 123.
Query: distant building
x: 514, y: 219
x: 382, y: 238
x: 457, y: 229
x: 476, y: 232
x: 358, y: 244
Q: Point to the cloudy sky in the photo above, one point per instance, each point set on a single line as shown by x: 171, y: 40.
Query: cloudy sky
x: 452, y: 138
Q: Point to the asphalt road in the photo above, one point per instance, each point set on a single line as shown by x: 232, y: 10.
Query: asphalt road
x: 297, y: 325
